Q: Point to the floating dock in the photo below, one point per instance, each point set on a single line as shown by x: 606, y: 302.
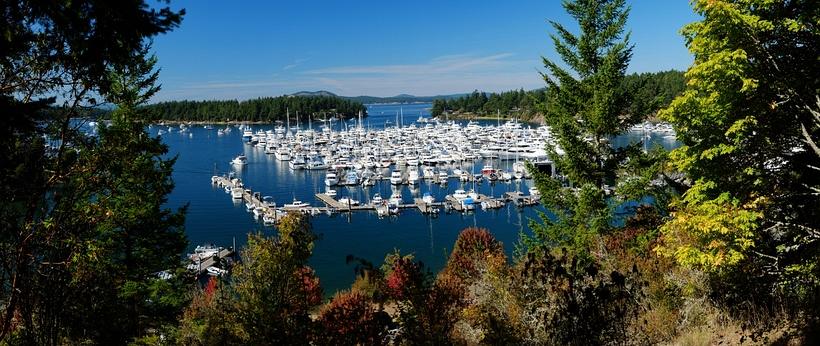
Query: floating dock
x: 202, y: 266
x: 272, y: 213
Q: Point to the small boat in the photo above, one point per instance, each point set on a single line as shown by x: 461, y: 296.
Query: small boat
x: 330, y: 192
x: 382, y: 210
x: 442, y: 176
x: 214, y: 271
x: 460, y: 194
x: 258, y: 212
x: 237, y: 192
x: 413, y: 177
x: 283, y: 154
x: 395, y: 177
x: 297, y: 162
x: 487, y: 170
x: 297, y: 204
x: 268, y: 220
x: 352, y: 178
x: 534, y: 191
x: 428, y: 198
x: 395, y: 199
x: 348, y: 201
x: 240, y: 160
x: 249, y: 206
x: 331, y: 179
x: 377, y: 199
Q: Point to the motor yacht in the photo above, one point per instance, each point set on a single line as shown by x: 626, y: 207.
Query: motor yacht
x: 395, y: 177
x: 428, y: 198
x: 413, y: 176
x: 240, y: 160
x: 331, y: 179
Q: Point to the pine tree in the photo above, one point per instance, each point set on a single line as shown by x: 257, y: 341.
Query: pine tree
x: 585, y: 108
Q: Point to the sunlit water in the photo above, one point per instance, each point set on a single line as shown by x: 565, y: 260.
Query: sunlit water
x: 214, y: 218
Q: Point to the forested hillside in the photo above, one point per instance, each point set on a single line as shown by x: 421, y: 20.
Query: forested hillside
x: 260, y: 109
x: 651, y: 91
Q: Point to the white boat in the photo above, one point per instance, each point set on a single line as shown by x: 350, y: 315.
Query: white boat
x: 464, y: 176
x: 368, y: 182
x: 429, y: 173
x: 297, y: 162
x: 428, y: 198
x: 282, y: 154
x: 249, y: 206
x: 297, y: 204
x: 315, y: 163
x: 268, y: 220
x: 395, y: 177
x: 534, y: 191
x: 519, y: 170
x: 413, y: 176
x: 442, y: 176
x: 382, y: 210
x: 377, y: 199
x: 460, y: 194
x: 214, y: 271
x: 240, y: 160
x: 352, y: 178
x: 331, y: 179
x: 330, y: 192
x: 395, y: 199
x: 237, y: 192
x: 258, y: 212
x: 348, y: 201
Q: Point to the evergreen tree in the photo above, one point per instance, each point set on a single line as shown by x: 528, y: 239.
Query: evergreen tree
x: 68, y: 217
x: 132, y: 237
x: 585, y: 108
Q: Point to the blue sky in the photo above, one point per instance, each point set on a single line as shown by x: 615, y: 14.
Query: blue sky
x: 241, y: 50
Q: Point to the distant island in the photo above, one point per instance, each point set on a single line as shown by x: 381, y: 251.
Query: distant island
x: 401, y: 98
x: 304, y: 106
x: 652, y: 91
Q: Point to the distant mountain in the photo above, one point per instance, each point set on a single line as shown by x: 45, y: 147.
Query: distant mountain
x: 314, y: 93
x: 401, y: 98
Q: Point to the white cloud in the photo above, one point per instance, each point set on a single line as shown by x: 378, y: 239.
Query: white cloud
x: 448, y: 63
x: 447, y: 74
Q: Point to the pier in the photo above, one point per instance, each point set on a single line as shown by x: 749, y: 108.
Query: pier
x: 270, y: 213
x: 201, y: 267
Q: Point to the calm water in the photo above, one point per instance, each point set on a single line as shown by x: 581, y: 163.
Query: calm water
x: 214, y: 218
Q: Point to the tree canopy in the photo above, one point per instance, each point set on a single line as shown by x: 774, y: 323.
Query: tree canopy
x: 749, y: 127
x: 267, y: 109
x: 651, y: 91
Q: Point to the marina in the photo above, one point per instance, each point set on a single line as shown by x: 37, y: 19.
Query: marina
x: 216, y: 217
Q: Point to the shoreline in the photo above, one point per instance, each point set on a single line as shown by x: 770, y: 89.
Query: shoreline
x: 219, y: 122
x: 537, y: 119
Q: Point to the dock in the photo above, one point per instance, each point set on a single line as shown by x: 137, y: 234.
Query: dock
x: 202, y: 266
x: 272, y: 213
x: 520, y: 200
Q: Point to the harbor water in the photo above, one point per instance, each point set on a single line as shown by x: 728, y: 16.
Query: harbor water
x: 213, y: 217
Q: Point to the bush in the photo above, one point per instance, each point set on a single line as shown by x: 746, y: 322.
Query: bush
x: 352, y: 318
